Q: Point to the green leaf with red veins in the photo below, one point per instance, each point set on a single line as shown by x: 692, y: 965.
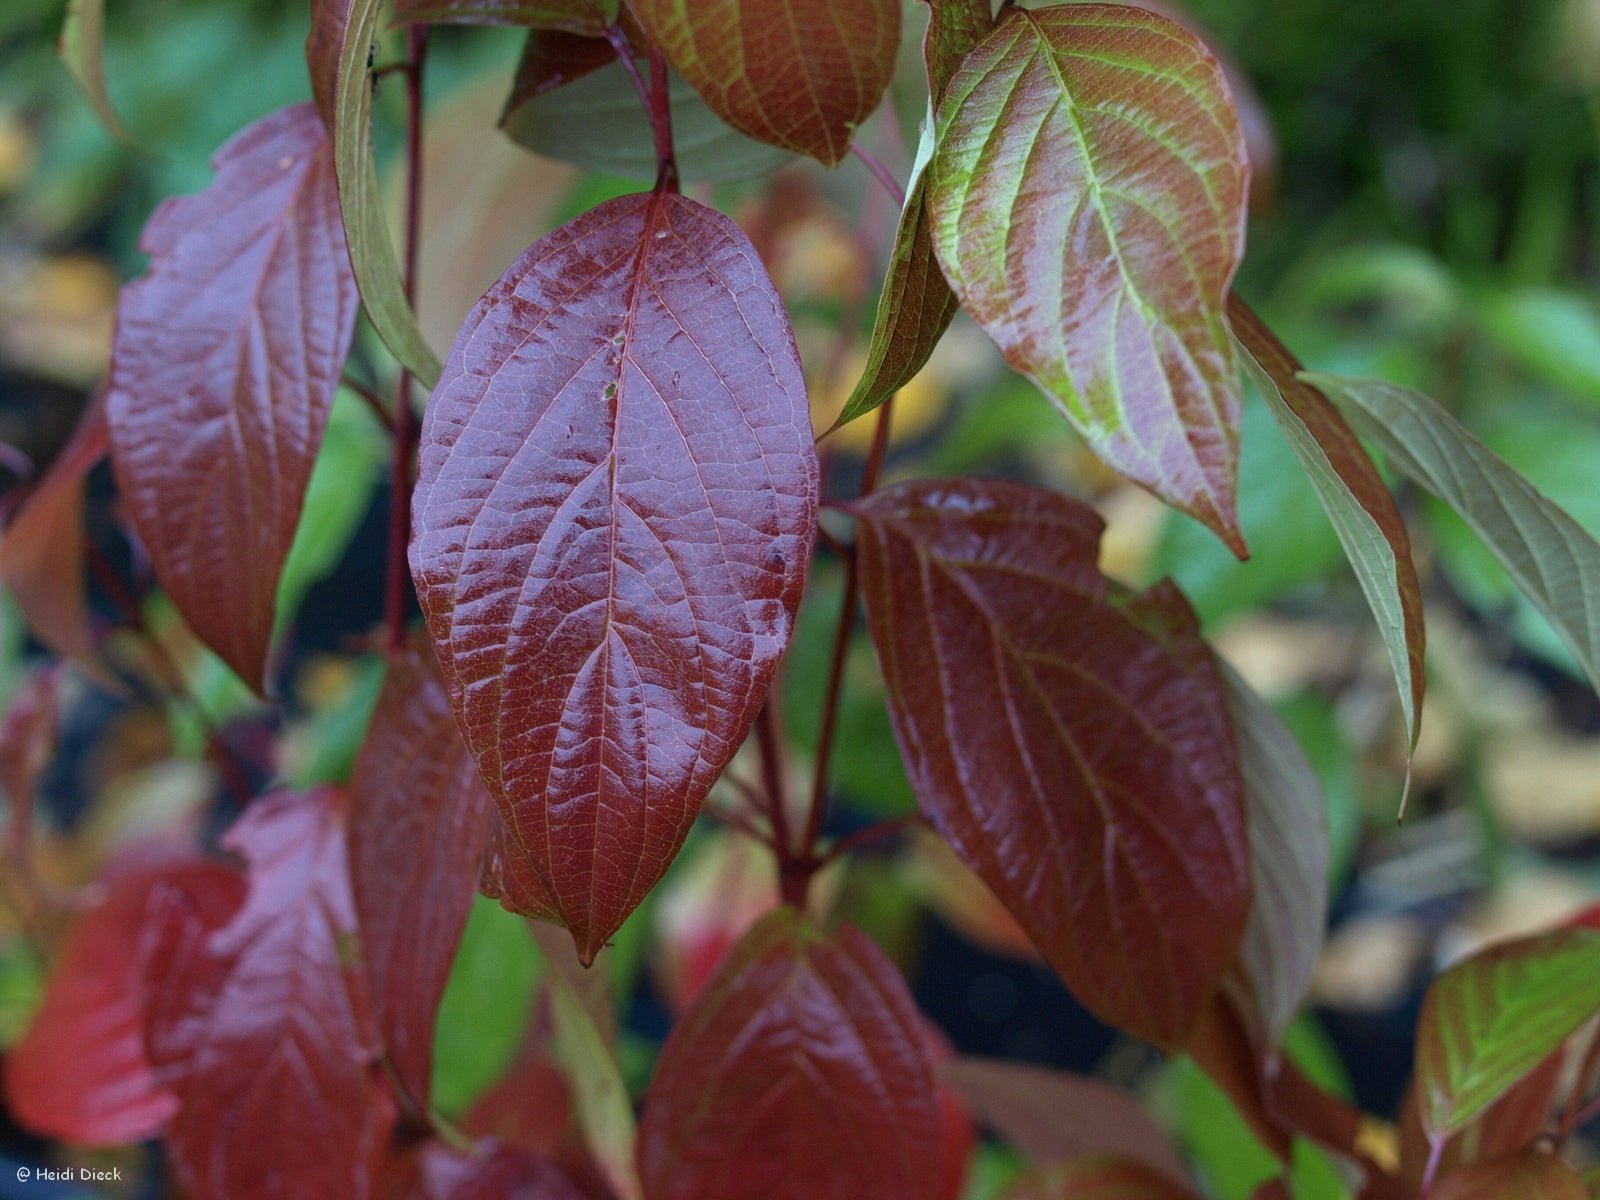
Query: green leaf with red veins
x: 614, y: 515
x: 1097, y: 1179
x: 800, y: 1073
x: 1531, y: 1176
x: 586, y: 17
x: 800, y: 74
x: 223, y: 371
x: 916, y: 305
x: 1487, y: 1022
x: 1069, y: 739
x: 1087, y: 192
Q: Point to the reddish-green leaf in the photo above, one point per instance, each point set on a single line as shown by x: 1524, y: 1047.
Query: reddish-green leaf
x: 82, y: 50
x: 1098, y: 1179
x: 80, y: 1073
x: 1487, y: 1022
x: 1507, y: 1127
x: 916, y: 305
x: 262, y: 1028
x: 1071, y: 741
x: 226, y: 360
x: 613, y: 521
x: 337, y: 48
x: 414, y: 788
x: 800, y: 74
x: 42, y: 549
x: 800, y: 1073
x: 1532, y: 1176
x: 586, y: 17
x: 1087, y: 193
x: 1051, y: 1115
x: 1357, y: 502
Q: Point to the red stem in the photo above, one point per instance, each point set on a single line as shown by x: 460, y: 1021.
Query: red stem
x: 404, y: 420
x: 880, y: 173
x: 657, y: 104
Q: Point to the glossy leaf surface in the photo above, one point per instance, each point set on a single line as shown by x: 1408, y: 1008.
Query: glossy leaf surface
x: 1487, y: 1022
x: 799, y: 74
x: 342, y: 33
x: 1071, y: 741
x: 1087, y: 193
x: 80, y: 1073
x: 916, y: 305
x: 1098, y: 1179
x: 800, y: 1073
x: 225, y: 363
x: 419, y: 819
x: 613, y: 520
x: 1531, y: 1176
x: 1359, y: 505
x: 1288, y: 825
x: 1553, y: 559
x: 261, y: 1028
x: 587, y: 17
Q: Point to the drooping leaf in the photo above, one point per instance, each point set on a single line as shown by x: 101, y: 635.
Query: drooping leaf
x: 1071, y: 741
x: 42, y: 549
x: 1052, y: 1116
x: 224, y: 367
x: 916, y: 305
x: 1098, y: 1179
x: 1553, y: 559
x: 613, y: 520
x: 1289, y: 849
x: 342, y: 33
x: 80, y: 1073
x: 800, y: 1073
x: 262, y: 1029
x: 596, y: 122
x: 799, y: 74
x: 82, y: 51
x: 585, y: 17
x: 1490, y: 1020
x: 1358, y: 504
x: 1087, y: 197
x: 1535, y: 1175
x: 419, y: 819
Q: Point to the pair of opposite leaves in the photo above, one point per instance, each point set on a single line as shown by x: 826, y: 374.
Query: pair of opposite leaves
x: 618, y: 482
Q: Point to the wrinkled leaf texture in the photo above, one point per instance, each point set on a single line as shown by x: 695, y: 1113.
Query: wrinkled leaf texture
x: 1071, y: 741
x: 613, y: 520
x: 1087, y: 195
x: 585, y: 17
x: 799, y: 74
x: 800, y: 1073
x: 80, y: 1072
x: 419, y: 819
x: 1531, y: 1176
x: 262, y: 1028
x: 1487, y: 1022
x: 225, y: 363
x: 1098, y: 1179
x: 916, y: 305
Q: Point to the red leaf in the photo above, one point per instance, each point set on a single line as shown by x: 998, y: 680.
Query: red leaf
x: 800, y: 74
x: 800, y: 1073
x: 1098, y: 1179
x: 262, y: 1028
x: 1532, y: 1176
x: 436, y: 1172
x: 529, y: 1107
x: 42, y: 549
x: 226, y: 359
x: 1070, y: 740
x: 613, y: 521
x: 552, y: 59
x: 80, y: 1073
x: 414, y: 787
x: 570, y: 16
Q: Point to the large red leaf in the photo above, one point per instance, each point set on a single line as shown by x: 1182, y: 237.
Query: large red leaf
x: 226, y: 359
x: 1098, y: 1179
x: 419, y: 819
x: 262, y: 1028
x: 1087, y: 195
x: 613, y: 521
x: 1071, y: 741
x: 800, y: 74
x: 80, y: 1073
x: 800, y: 1073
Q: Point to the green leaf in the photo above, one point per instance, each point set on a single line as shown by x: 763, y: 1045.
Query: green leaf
x: 597, y: 123
x: 1087, y: 196
x: 1553, y: 559
x: 1357, y: 502
x: 82, y: 50
x: 1490, y: 1020
x: 342, y: 33
x: 1552, y: 334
